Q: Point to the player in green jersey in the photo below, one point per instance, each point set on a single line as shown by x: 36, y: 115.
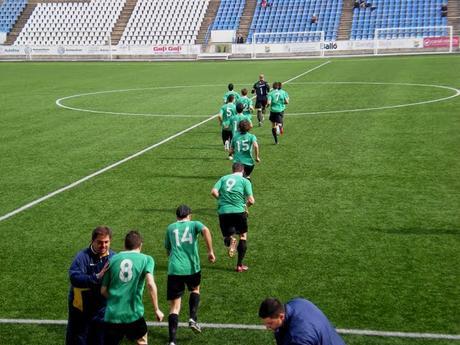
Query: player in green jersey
x: 184, y: 268
x: 227, y: 111
x: 247, y: 102
x: 123, y: 286
x: 277, y: 99
x: 242, y: 147
x: 234, y: 195
x: 231, y: 92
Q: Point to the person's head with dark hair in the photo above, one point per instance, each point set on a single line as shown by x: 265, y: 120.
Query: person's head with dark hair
x: 280, y: 85
x: 100, y: 240
x: 133, y: 240
x: 244, y: 92
x: 272, y: 312
x: 230, y: 98
x: 244, y: 126
x: 239, y: 108
x: 237, y: 167
x: 275, y: 85
x: 230, y: 87
x: 183, y: 211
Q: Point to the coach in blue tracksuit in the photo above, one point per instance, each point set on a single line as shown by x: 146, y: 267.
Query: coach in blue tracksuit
x: 86, y: 304
x: 298, y: 322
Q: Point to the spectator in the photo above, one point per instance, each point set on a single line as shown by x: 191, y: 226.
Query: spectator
x: 356, y: 4
x: 240, y: 39
x: 264, y: 3
x: 444, y: 10
x: 298, y: 322
x: 362, y: 3
x: 314, y: 19
x: 86, y: 304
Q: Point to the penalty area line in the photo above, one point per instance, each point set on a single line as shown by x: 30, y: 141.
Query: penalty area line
x: 137, y: 154
x: 364, y: 332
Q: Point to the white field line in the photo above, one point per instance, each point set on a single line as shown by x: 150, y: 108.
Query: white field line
x: 364, y: 332
x: 457, y: 93
x: 99, y: 172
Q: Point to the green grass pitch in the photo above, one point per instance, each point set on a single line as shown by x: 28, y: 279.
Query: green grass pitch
x: 357, y: 211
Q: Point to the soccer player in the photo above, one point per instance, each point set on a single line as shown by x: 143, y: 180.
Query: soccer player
x: 234, y: 195
x: 226, y: 111
x: 298, y: 322
x: 231, y: 92
x: 237, y: 118
x: 86, y: 304
x: 242, y: 147
x: 181, y: 243
x: 277, y: 99
x: 123, y: 286
x: 247, y: 102
x: 261, y: 88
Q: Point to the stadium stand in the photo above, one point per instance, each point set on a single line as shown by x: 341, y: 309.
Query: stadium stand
x: 10, y: 10
x: 164, y: 22
x: 72, y: 23
x: 295, y: 16
x: 228, y: 15
x: 398, y: 14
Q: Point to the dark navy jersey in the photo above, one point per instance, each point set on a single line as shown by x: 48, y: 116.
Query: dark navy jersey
x: 305, y: 324
x: 261, y: 88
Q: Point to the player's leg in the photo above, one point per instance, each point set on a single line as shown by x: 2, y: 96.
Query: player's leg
x: 77, y: 327
x: 193, y: 285
x: 242, y: 247
x: 175, y: 289
x: 260, y: 117
x: 227, y: 227
x: 137, y: 331
x: 247, y: 171
x: 242, y: 230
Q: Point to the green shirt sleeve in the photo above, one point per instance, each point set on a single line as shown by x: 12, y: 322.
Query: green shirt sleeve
x: 150, y: 265
x: 167, y: 241
x: 199, y: 227
x: 247, y: 188
x: 218, y: 184
x: 106, y: 278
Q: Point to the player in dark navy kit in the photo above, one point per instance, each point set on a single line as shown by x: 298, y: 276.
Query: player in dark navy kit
x: 298, y: 322
x: 261, y: 89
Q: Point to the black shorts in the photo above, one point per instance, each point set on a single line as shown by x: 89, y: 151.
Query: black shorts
x: 261, y: 103
x: 248, y: 169
x: 233, y: 223
x: 226, y: 135
x: 176, y: 284
x: 115, y: 332
x: 276, y: 117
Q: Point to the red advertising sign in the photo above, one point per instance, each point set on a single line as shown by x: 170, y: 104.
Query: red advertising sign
x: 440, y: 42
x: 167, y: 49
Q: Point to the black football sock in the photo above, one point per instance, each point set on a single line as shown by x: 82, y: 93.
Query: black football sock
x: 173, y: 323
x: 242, y: 247
x: 193, y: 304
x: 274, y: 135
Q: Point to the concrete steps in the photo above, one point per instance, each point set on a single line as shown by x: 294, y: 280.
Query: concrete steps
x: 207, y: 20
x: 246, y: 18
x: 122, y: 21
x: 345, y: 21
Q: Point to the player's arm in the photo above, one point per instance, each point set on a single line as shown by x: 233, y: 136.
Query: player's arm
x: 153, y: 292
x: 286, y: 100
x: 256, y: 151
x: 215, y: 193
x: 208, y: 240
x: 250, y: 200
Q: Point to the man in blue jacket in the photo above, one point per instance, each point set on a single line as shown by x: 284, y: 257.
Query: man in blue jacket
x: 298, y: 322
x: 86, y: 304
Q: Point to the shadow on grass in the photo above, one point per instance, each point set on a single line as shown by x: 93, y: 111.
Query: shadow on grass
x: 418, y: 231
